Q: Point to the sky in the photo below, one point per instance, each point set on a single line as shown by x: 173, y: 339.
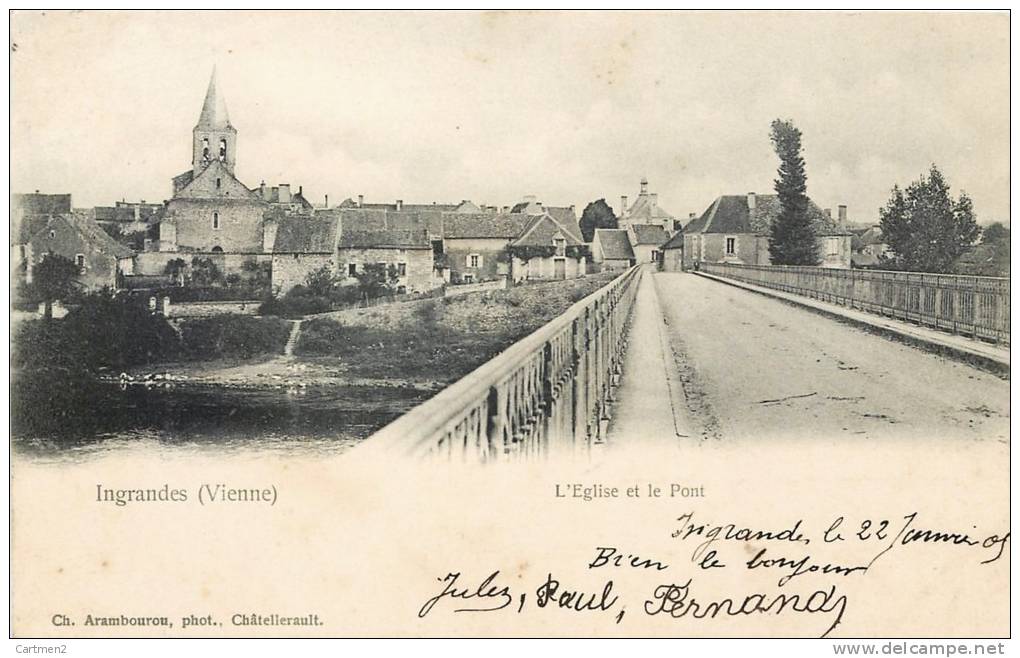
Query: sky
x: 492, y: 106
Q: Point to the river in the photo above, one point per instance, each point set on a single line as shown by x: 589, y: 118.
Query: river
x: 79, y: 420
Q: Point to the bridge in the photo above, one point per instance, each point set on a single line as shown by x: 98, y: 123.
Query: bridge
x: 734, y: 353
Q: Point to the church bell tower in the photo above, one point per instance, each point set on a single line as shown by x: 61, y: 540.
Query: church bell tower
x: 214, y: 137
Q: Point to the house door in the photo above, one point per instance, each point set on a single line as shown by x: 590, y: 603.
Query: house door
x: 560, y: 268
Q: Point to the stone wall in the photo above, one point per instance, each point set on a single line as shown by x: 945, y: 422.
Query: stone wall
x: 290, y: 270
x: 419, y: 271
x: 240, y: 224
x: 493, y: 258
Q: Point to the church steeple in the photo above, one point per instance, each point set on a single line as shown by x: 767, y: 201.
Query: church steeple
x: 214, y: 137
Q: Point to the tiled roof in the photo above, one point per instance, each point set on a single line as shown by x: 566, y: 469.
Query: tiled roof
x: 730, y: 214
x: 484, y: 225
x: 308, y: 234
x: 391, y: 239
x: 643, y: 208
x: 567, y: 218
x: 41, y: 204
x: 542, y: 230
x: 650, y: 234
x: 615, y: 243
x: 85, y: 226
x: 675, y: 242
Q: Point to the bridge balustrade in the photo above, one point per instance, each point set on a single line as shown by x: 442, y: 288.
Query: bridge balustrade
x: 976, y: 306
x: 548, y: 392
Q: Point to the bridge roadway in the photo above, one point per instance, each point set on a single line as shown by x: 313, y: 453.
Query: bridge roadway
x: 708, y: 361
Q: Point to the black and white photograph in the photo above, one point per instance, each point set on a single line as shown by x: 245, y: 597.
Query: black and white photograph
x: 479, y: 324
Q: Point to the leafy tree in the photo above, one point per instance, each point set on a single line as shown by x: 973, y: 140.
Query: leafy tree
x: 204, y: 272
x: 175, y: 270
x: 926, y: 230
x: 597, y: 214
x: 377, y: 279
x: 792, y: 237
x: 323, y: 282
x: 995, y: 233
x: 54, y: 279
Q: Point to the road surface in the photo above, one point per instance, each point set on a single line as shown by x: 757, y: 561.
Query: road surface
x: 754, y: 368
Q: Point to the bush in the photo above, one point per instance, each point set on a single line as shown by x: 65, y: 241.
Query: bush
x: 236, y: 336
x: 103, y: 332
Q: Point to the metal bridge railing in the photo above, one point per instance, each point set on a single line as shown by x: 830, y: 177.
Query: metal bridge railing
x: 548, y: 391
x: 976, y: 306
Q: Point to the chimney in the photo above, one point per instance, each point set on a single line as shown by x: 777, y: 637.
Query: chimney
x: 828, y: 212
x: 284, y: 192
x: 752, y: 201
x: 842, y: 215
x: 506, y: 209
x: 400, y: 205
x: 325, y: 203
x: 623, y: 205
x: 361, y: 200
x: 644, y: 185
x: 262, y: 190
x: 300, y: 190
x: 691, y: 215
x: 571, y: 207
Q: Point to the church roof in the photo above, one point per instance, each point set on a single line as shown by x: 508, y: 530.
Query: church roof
x: 214, y: 110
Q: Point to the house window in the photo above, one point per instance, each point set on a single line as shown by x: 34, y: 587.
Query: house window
x: 79, y: 260
x: 832, y: 246
x: 656, y: 256
x: 223, y: 150
x: 731, y: 246
x: 468, y: 278
x: 401, y: 290
x: 474, y: 260
x: 561, y: 246
x: 352, y: 269
x: 205, y: 148
x: 401, y: 269
x: 217, y: 183
x: 216, y: 221
x: 53, y: 234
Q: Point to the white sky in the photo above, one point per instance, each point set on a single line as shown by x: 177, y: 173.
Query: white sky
x: 570, y: 107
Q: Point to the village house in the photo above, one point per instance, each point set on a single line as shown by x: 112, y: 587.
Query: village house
x: 869, y: 248
x: 548, y: 249
x: 735, y: 229
x: 475, y: 247
x: 645, y: 210
x: 101, y: 260
x: 645, y: 241
x: 611, y: 249
x: 345, y: 240
x: 673, y: 254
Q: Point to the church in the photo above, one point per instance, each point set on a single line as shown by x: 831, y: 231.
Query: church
x: 210, y: 212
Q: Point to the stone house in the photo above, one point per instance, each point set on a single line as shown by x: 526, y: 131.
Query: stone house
x: 645, y: 210
x: 646, y: 240
x: 475, y: 247
x: 735, y: 229
x: 673, y: 254
x: 77, y: 237
x: 548, y: 249
x: 611, y: 249
x: 301, y: 245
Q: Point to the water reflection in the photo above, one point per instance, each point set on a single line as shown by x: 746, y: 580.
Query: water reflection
x: 59, y: 419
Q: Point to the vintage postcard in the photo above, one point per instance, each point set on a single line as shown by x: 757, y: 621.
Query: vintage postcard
x: 510, y: 324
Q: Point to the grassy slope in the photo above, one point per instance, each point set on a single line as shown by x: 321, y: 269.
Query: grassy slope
x: 439, y: 339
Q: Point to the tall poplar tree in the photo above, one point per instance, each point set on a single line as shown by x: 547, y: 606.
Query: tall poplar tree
x: 792, y: 237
